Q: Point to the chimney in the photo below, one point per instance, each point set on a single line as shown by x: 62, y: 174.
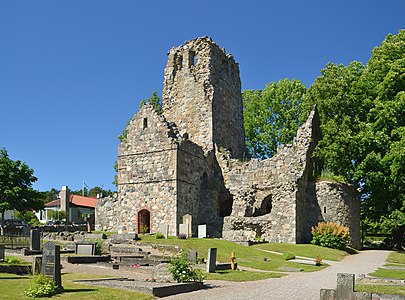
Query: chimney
x: 64, y: 198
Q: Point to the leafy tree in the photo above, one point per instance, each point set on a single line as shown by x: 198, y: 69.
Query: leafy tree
x: 28, y: 217
x: 16, y: 190
x: 155, y: 101
x: 271, y: 116
x: 363, y: 124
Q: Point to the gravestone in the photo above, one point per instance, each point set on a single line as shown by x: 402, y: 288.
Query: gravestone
x: 184, y: 229
x: 188, y: 219
x: 212, y: 260
x: 164, y: 229
x: 2, y: 253
x: 85, y: 248
x: 202, y: 231
x: 51, y: 263
x: 161, y: 273
x: 35, y: 240
x: 36, y: 264
x: 192, y: 256
x: 344, y: 290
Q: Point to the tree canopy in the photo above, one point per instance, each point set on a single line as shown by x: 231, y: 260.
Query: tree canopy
x: 271, y: 116
x: 16, y: 180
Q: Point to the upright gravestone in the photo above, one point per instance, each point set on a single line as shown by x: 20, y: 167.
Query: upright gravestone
x: 212, y: 260
x: 184, y: 230
x: 164, y: 229
x: 35, y: 240
x: 2, y: 253
x: 51, y: 263
x: 202, y: 231
x: 85, y: 248
x: 192, y: 256
x: 188, y: 219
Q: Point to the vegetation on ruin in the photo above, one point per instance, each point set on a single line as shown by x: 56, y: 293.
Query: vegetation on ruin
x: 361, y: 109
x: 12, y: 287
x: 155, y: 101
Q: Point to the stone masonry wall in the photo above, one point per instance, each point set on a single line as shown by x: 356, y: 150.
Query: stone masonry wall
x: 266, y: 192
x: 340, y: 203
x: 202, y: 95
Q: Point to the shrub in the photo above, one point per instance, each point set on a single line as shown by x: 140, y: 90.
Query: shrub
x: 159, y: 235
x: 288, y: 255
x: 331, y: 235
x: 99, y: 246
x: 144, y: 228
x: 12, y: 260
x: 182, y: 271
x: 42, y: 287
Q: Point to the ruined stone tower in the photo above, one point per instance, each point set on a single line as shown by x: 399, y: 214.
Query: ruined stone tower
x: 202, y: 95
x: 187, y: 166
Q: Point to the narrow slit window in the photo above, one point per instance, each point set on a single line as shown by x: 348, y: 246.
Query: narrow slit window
x: 145, y: 123
x: 324, y: 209
x: 192, y: 58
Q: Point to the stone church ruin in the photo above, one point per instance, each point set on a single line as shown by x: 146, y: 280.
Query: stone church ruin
x: 189, y: 165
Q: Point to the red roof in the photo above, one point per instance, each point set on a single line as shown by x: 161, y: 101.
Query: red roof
x: 76, y: 200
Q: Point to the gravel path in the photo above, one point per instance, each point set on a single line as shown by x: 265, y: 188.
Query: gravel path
x: 300, y: 286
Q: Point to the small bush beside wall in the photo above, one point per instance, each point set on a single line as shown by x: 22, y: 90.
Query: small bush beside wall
x: 330, y: 235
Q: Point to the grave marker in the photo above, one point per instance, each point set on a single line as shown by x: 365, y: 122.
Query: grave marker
x: 35, y: 240
x: 188, y: 219
x: 161, y: 273
x: 51, y: 263
x: 212, y: 260
x: 85, y: 248
x: 164, y: 229
x: 344, y: 290
x: 2, y: 253
x: 202, y: 231
x: 192, y: 256
x: 184, y: 229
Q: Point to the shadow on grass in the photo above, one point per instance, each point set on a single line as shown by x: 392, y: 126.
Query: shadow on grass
x: 19, y: 277
x: 78, y: 290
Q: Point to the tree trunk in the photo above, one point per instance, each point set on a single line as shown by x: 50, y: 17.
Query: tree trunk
x: 2, y: 223
x: 397, y: 237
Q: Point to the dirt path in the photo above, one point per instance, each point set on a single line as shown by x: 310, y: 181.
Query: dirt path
x: 300, y: 286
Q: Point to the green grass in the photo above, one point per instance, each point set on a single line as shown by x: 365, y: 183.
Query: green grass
x: 245, y: 256
x: 397, y: 257
x: 306, y: 250
x: 12, y: 287
x: 388, y: 273
x: 239, y: 276
x: 380, y: 289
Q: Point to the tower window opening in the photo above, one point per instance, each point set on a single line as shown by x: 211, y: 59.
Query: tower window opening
x: 145, y: 123
x: 192, y: 58
x: 324, y: 209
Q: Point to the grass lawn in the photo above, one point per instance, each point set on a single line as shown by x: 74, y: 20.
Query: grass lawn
x: 395, y: 259
x: 245, y: 256
x: 306, y: 250
x: 380, y: 289
x: 238, y: 276
x: 12, y: 287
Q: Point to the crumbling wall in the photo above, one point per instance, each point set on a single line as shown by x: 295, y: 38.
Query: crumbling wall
x: 267, y: 193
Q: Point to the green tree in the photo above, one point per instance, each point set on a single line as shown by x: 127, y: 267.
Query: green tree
x: 155, y: 101
x: 16, y: 191
x: 272, y: 116
x: 363, y: 125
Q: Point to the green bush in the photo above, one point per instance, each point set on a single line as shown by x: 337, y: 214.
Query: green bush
x: 182, y: 271
x: 288, y: 255
x: 330, y: 235
x: 99, y: 246
x: 159, y: 235
x: 12, y: 260
x: 42, y: 287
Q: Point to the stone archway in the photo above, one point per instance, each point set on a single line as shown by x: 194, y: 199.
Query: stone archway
x: 144, y: 221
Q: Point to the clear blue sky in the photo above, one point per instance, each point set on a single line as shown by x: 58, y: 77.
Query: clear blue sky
x: 73, y: 72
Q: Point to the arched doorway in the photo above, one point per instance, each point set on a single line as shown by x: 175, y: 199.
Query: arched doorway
x: 144, y: 221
